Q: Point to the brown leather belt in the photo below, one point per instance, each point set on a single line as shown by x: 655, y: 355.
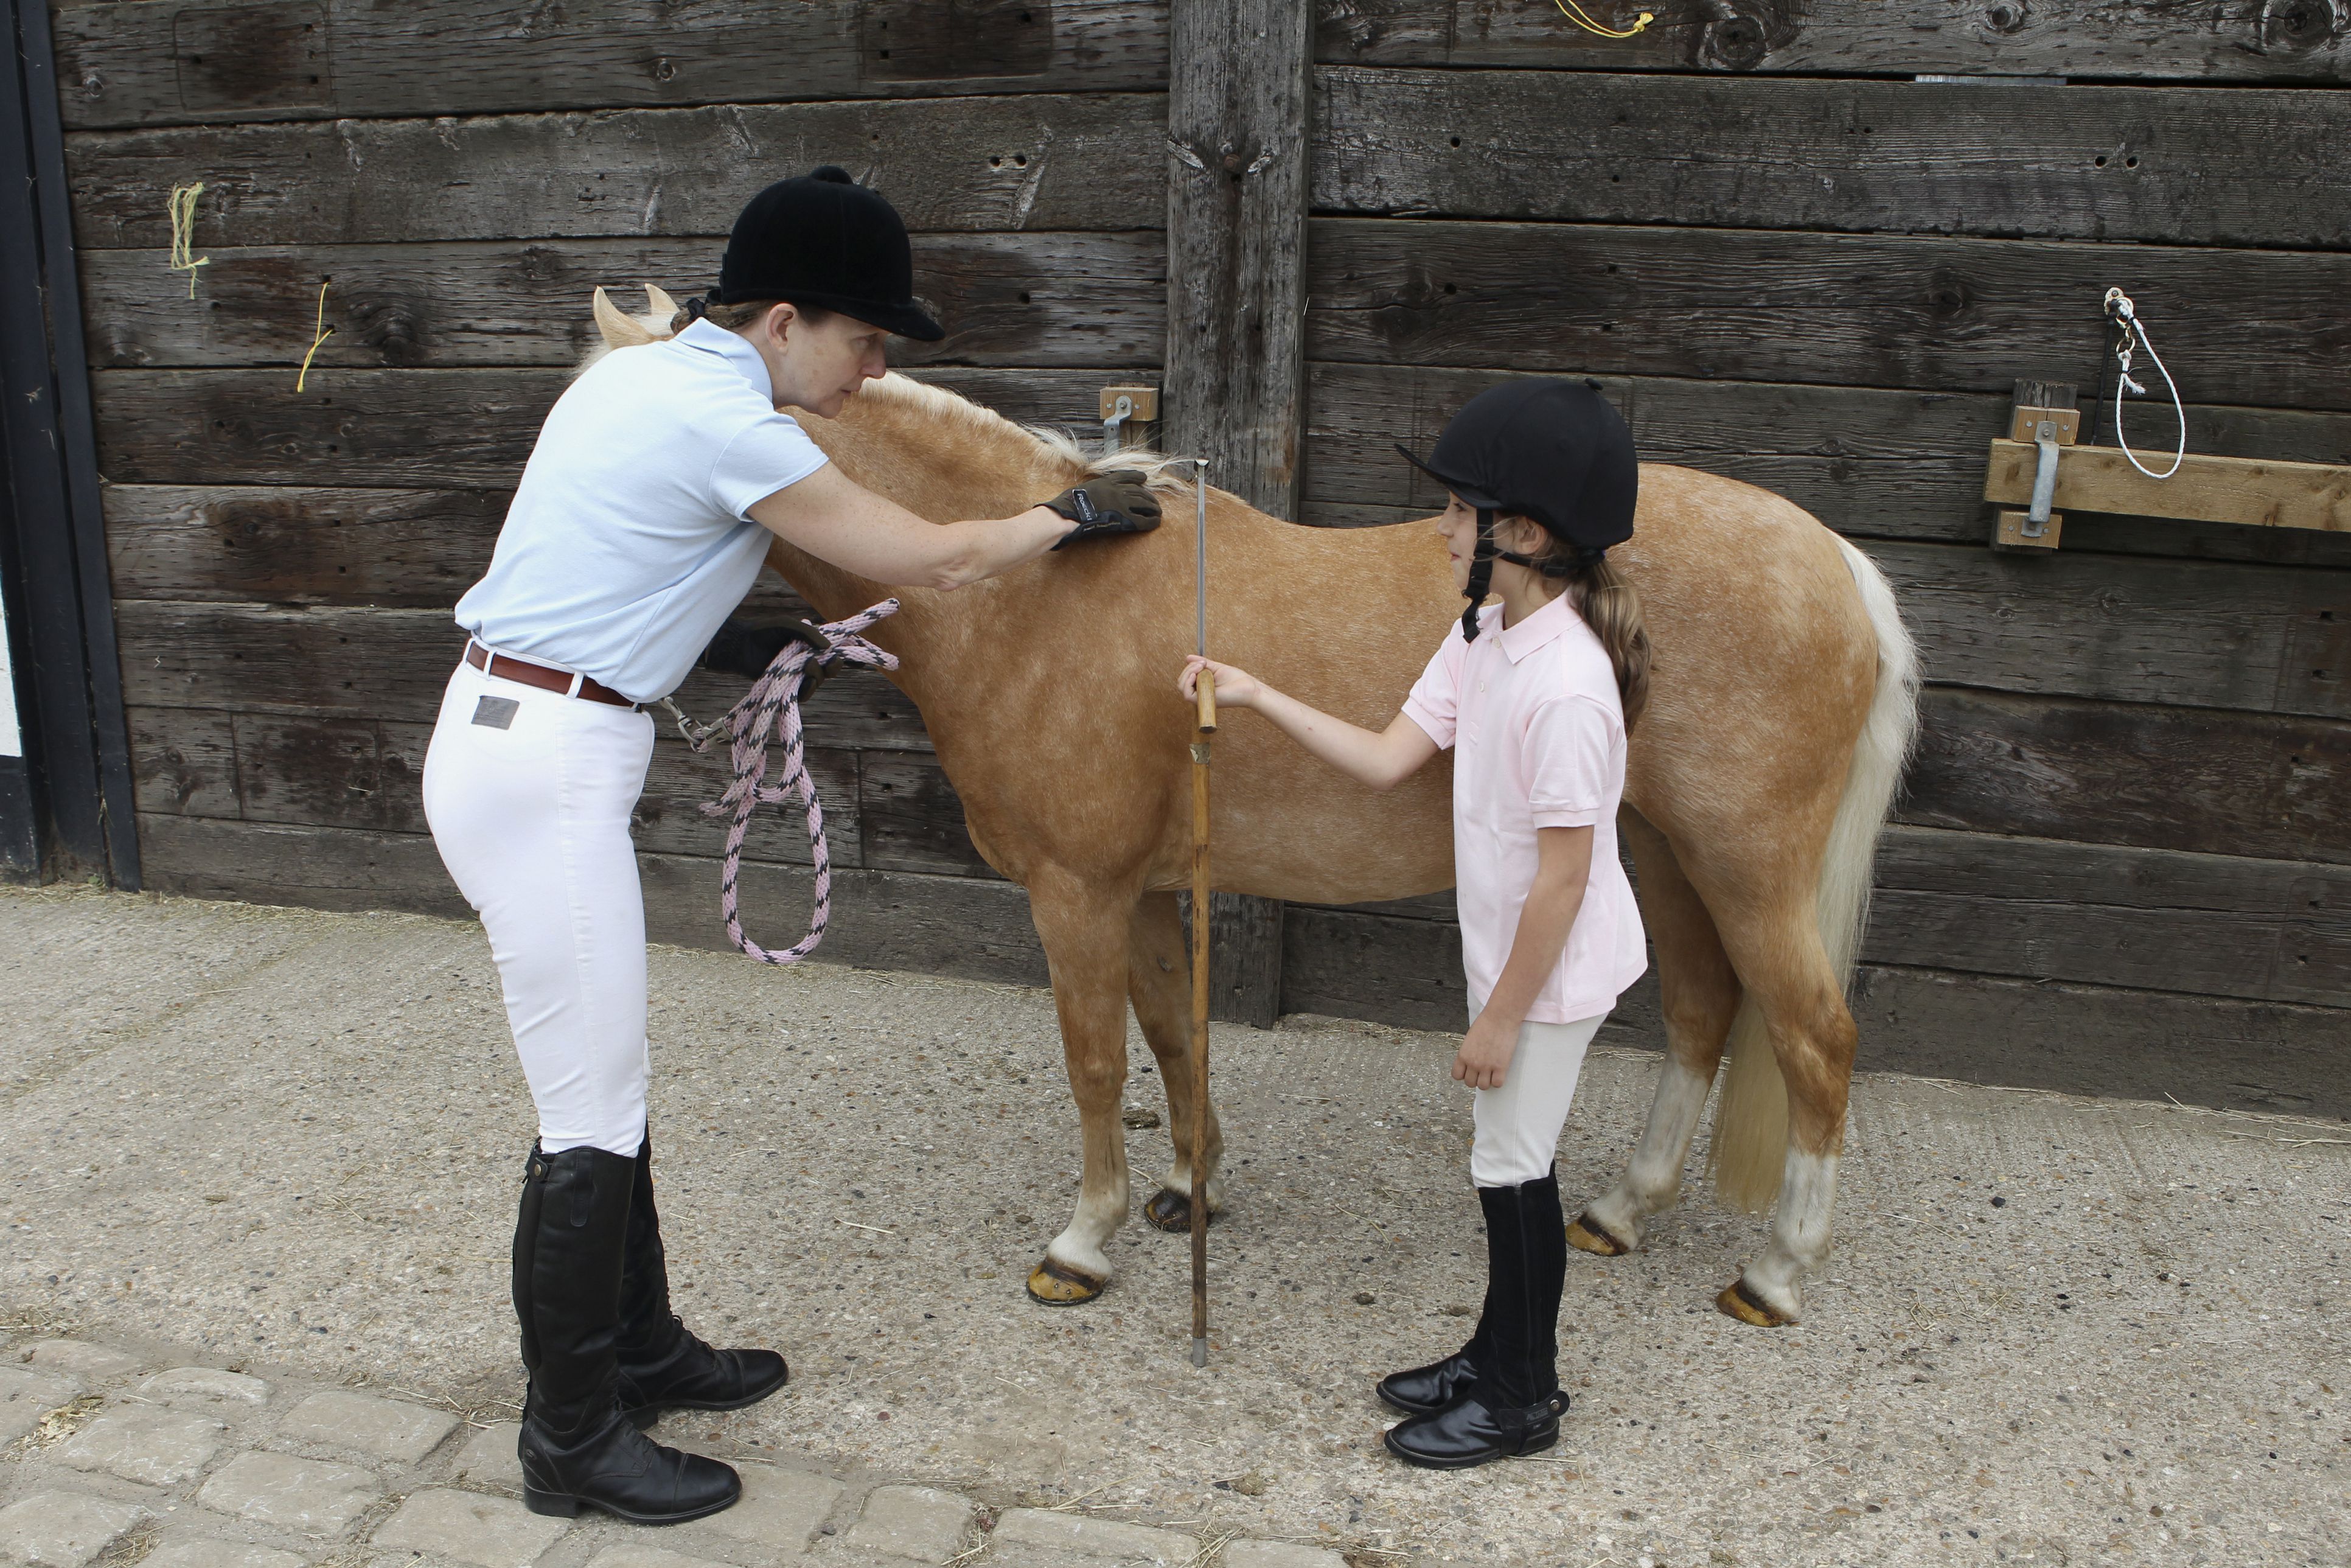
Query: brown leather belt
x: 507, y: 667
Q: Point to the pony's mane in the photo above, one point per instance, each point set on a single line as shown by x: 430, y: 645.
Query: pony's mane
x: 1172, y: 474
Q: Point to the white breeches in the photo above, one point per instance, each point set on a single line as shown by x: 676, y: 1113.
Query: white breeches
x: 1518, y: 1124
x: 532, y: 820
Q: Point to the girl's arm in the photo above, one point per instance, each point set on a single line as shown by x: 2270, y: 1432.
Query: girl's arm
x: 1563, y: 869
x: 1382, y: 761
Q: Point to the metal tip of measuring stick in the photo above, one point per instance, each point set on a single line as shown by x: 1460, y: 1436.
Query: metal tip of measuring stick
x: 1199, y: 1353
x: 1200, y: 575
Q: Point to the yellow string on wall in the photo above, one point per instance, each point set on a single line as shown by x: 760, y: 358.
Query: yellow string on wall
x: 1575, y: 13
x: 183, y: 233
x: 321, y: 332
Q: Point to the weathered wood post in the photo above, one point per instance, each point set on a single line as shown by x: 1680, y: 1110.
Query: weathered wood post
x: 1235, y: 380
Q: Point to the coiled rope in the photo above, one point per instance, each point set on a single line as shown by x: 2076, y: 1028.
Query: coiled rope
x: 771, y: 711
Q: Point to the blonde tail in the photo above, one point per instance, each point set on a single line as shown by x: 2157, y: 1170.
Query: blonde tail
x: 1749, y: 1146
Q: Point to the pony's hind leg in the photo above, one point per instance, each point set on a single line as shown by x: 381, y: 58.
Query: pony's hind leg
x: 1159, y: 983
x: 1813, y: 1036
x: 1084, y: 929
x: 1699, y: 995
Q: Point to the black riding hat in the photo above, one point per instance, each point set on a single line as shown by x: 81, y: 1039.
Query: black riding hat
x: 826, y: 241
x: 1555, y: 451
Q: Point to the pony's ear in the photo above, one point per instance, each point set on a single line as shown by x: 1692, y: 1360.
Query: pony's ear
x: 620, y: 332
x: 663, y: 305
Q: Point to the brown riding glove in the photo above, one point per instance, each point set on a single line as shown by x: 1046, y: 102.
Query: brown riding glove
x: 1118, y: 502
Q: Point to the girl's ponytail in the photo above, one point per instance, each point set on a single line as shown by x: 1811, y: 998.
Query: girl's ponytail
x: 1611, y: 607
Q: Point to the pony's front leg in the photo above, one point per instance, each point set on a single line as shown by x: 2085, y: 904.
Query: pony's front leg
x: 1084, y: 930
x: 1159, y: 981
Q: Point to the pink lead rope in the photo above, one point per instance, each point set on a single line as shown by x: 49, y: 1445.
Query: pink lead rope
x: 771, y: 711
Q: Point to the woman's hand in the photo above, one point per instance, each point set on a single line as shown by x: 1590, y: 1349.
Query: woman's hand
x: 1486, y: 1051
x: 1234, y: 687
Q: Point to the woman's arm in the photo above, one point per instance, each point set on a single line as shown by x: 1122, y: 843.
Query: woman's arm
x: 836, y: 519
x: 1563, y: 869
x: 1382, y: 761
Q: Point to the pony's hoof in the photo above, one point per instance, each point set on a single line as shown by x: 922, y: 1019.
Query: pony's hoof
x: 1171, y: 1211
x: 1056, y: 1284
x: 1586, y: 1234
x: 1738, y: 1301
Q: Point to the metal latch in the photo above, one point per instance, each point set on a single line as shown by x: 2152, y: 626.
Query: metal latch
x: 2044, y: 479
x: 1122, y: 405
x: 2046, y: 414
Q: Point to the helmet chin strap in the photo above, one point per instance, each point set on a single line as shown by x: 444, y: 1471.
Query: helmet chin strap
x: 1481, y: 569
x: 1481, y: 574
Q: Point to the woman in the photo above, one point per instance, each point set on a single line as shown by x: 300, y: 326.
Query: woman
x: 1536, y: 695
x: 641, y: 522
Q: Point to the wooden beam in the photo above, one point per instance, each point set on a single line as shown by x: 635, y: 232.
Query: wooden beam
x: 144, y: 63
x: 2177, y: 633
x: 1871, y: 463
x: 1986, y: 1029
x: 2252, y: 492
x: 1236, y: 243
x: 1057, y: 162
x: 2141, y: 40
x: 961, y: 927
x: 1939, y: 313
x: 458, y: 428
x: 2277, y: 787
x: 1996, y: 159
x: 1233, y: 390
x: 1005, y: 299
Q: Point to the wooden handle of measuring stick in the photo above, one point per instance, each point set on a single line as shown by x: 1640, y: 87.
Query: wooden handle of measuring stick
x: 1208, y: 703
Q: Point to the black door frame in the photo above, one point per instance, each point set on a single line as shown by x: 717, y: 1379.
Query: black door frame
x: 68, y: 804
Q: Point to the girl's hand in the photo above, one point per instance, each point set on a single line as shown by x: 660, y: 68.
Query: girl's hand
x: 1486, y: 1051
x: 1234, y: 687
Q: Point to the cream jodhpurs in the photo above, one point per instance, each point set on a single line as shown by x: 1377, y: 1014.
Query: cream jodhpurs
x: 1518, y: 1124
x: 529, y: 794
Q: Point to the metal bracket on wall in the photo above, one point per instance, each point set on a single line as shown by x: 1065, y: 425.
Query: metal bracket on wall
x: 1123, y: 408
x: 2045, y: 415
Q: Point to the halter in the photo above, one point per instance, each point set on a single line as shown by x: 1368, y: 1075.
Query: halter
x: 1481, y: 568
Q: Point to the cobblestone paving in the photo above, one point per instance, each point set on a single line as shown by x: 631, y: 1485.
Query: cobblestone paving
x: 122, y: 1457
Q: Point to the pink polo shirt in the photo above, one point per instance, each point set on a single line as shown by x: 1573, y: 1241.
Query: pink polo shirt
x: 1538, y: 731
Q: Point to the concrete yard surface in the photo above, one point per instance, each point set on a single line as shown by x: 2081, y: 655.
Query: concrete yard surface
x: 273, y: 1154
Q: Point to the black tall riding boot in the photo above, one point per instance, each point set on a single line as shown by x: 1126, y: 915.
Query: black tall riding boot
x: 663, y: 1365
x: 1514, y: 1405
x: 577, y: 1447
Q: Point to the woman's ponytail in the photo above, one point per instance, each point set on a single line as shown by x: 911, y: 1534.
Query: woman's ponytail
x: 1611, y: 607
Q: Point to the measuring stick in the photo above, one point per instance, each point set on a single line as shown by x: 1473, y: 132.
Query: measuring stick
x: 1207, y: 717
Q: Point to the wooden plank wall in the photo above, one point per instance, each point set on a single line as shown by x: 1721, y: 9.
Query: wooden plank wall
x: 465, y: 174
x: 2124, y: 858
x: 2124, y: 861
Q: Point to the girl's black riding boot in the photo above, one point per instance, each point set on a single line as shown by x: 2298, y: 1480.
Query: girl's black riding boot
x: 663, y: 1365
x: 577, y: 1447
x: 1514, y: 1404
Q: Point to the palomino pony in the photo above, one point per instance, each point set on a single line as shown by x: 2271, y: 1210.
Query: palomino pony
x: 1781, y: 711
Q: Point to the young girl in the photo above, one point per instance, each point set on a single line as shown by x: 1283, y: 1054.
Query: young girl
x: 1535, y: 694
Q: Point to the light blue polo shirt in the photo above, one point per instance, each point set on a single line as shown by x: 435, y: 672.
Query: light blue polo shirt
x: 630, y: 538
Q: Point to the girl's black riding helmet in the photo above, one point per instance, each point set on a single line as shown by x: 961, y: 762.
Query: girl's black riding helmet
x: 1553, y: 450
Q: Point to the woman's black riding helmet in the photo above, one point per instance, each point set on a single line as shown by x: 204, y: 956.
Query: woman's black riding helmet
x: 826, y: 241
x: 1555, y: 451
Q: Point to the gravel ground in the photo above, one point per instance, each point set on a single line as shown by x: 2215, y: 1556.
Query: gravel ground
x: 2053, y: 1329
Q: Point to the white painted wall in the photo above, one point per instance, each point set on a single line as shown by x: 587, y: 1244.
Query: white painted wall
x: 12, y: 739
